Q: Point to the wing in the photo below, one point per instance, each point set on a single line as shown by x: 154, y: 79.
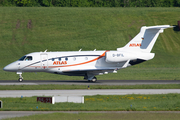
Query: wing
x: 84, y: 72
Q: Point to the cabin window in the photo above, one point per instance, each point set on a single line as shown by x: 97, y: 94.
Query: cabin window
x: 59, y: 59
x: 66, y: 59
x: 52, y: 59
x: 74, y: 58
x: 22, y: 58
x: 28, y: 58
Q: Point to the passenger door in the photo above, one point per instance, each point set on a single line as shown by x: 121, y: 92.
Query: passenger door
x: 44, y: 60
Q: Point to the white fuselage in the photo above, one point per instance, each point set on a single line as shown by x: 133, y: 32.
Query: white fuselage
x: 72, y: 62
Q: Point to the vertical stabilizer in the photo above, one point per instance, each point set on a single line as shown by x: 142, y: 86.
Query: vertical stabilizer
x: 145, y: 39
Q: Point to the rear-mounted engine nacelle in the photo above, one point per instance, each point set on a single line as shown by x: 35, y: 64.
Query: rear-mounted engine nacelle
x: 116, y: 56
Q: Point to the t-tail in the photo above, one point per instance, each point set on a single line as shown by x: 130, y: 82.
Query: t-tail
x: 145, y: 39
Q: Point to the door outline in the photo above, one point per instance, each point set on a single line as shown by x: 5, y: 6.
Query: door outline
x: 44, y: 60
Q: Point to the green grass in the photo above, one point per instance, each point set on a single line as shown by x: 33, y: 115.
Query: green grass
x: 69, y: 29
x: 163, y: 102
x: 102, y: 116
x: 73, y: 87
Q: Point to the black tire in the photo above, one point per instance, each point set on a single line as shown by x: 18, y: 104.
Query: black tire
x: 20, y: 79
x: 94, y: 79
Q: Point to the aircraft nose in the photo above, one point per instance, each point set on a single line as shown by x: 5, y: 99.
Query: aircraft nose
x: 11, y: 67
x: 7, y: 68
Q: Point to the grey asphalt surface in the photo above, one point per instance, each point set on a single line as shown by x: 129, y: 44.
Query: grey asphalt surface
x: 30, y: 93
x: 85, y: 82
x: 11, y: 114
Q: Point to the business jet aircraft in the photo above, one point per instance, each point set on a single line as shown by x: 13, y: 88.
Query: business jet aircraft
x: 91, y: 63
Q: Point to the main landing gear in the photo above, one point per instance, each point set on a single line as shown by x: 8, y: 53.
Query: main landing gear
x: 20, y: 76
x: 90, y: 79
x: 94, y: 79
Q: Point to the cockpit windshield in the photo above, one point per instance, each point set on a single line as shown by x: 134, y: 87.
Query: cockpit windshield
x: 22, y: 58
x: 26, y: 58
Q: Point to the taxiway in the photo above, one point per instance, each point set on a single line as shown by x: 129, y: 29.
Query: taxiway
x: 30, y: 93
x: 85, y: 82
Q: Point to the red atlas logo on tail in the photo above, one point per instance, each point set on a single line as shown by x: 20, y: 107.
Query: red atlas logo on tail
x: 135, y: 45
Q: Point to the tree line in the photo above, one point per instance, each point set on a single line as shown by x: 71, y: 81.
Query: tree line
x: 91, y: 3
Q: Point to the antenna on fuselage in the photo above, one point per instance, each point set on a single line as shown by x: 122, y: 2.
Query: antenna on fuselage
x: 80, y: 50
x: 45, y: 50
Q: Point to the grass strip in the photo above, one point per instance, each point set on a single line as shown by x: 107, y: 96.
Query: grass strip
x: 71, y: 87
x: 163, y: 102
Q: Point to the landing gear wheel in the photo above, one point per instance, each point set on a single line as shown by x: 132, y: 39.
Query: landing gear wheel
x: 94, y: 79
x: 20, y: 79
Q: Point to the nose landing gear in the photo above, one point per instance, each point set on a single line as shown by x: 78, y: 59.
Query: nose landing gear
x: 20, y: 76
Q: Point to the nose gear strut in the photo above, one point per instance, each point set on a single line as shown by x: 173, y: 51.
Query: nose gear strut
x: 20, y: 76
